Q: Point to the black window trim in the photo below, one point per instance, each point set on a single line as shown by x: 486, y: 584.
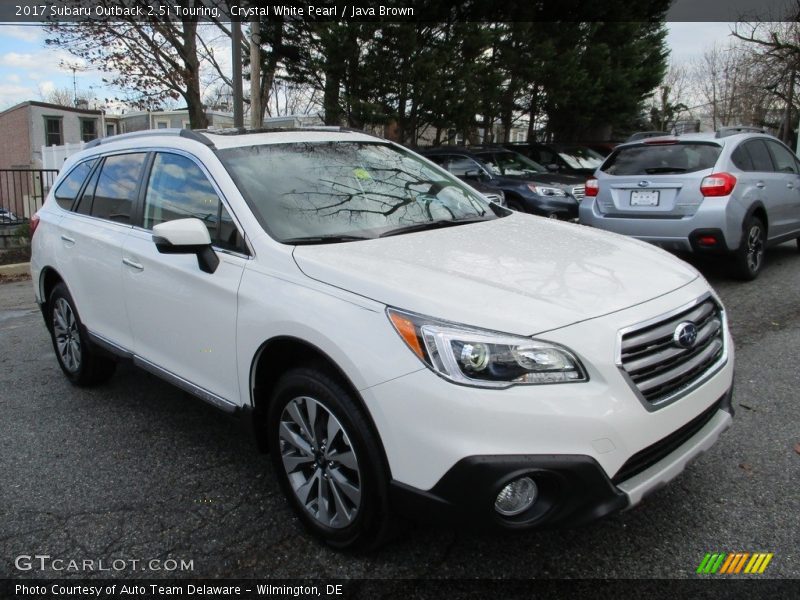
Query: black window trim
x: 776, y: 142
x: 83, y: 185
x: 101, y: 159
x: 138, y: 222
x: 763, y: 140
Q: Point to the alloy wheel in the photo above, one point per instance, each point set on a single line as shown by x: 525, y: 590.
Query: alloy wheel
x: 65, y: 330
x: 755, y: 248
x: 320, y: 462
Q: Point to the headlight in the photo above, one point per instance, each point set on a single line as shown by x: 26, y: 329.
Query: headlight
x: 543, y: 190
x: 485, y: 358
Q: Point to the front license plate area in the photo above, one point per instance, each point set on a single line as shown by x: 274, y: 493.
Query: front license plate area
x: 644, y: 198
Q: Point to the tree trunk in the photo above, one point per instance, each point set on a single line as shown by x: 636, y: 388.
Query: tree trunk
x: 194, y: 101
x: 256, y: 112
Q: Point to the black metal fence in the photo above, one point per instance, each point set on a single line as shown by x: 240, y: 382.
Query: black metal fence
x: 22, y: 193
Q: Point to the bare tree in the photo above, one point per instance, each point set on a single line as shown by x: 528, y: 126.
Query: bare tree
x: 151, y: 60
x: 732, y: 84
x: 775, y: 48
x: 669, y: 101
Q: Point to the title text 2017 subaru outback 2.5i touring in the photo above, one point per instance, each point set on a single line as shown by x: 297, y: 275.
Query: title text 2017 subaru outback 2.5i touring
x: 400, y: 344
x: 732, y: 193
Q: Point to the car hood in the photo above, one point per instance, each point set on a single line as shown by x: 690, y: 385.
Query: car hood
x: 554, y: 179
x: 518, y: 274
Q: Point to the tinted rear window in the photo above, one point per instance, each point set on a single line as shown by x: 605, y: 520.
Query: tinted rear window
x: 68, y: 189
x: 662, y: 159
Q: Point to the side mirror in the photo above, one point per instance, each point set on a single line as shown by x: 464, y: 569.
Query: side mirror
x: 186, y: 236
x: 552, y: 167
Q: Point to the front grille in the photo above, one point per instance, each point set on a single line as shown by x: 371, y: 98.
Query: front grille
x: 658, y: 366
x: 493, y: 198
x: 646, y: 458
x: 579, y: 192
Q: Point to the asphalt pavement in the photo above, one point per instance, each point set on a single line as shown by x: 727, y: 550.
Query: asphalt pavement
x: 137, y: 470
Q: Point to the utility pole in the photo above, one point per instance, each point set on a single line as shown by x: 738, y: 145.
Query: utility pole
x: 787, y: 129
x: 236, y: 57
x: 255, y: 74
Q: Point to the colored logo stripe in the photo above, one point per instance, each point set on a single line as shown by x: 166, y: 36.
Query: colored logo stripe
x: 734, y: 563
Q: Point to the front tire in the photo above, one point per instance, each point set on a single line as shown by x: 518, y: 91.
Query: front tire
x: 749, y: 258
x: 328, y: 461
x: 80, y: 361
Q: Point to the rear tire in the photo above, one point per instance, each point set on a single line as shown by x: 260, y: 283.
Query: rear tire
x: 328, y: 461
x: 749, y: 258
x: 80, y: 361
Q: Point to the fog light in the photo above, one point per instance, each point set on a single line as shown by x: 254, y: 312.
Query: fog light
x: 517, y: 497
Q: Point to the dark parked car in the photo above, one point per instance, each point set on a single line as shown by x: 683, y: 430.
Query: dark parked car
x: 571, y: 159
x: 6, y: 217
x: 528, y: 187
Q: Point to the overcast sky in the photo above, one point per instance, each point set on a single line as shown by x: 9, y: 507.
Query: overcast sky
x: 29, y: 70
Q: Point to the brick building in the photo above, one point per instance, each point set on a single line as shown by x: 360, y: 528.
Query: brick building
x: 28, y: 126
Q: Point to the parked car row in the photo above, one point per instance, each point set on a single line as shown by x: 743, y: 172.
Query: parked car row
x: 526, y: 185
x: 731, y: 193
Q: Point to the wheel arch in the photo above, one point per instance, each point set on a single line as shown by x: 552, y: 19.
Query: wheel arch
x: 757, y: 209
x: 49, y: 278
x: 278, y: 355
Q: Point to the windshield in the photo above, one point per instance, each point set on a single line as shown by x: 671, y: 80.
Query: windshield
x: 581, y: 157
x: 340, y: 191
x: 652, y: 159
x: 511, y: 164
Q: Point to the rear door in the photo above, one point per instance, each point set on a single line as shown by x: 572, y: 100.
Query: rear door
x: 92, y: 238
x: 784, y: 209
x: 183, y: 319
x: 656, y: 180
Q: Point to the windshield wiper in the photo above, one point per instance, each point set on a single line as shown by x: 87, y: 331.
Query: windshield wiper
x: 323, y: 239
x: 433, y: 225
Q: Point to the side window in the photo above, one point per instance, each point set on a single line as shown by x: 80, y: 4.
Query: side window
x: 759, y: 155
x: 543, y: 156
x: 741, y: 158
x: 117, y: 187
x: 785, y: 161
x: 461, y: 165
x: 68, y: 189
x: 179, y: 189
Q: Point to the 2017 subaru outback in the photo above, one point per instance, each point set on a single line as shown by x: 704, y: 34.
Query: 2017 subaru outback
x: 732, y: 193
x: 400, y: 344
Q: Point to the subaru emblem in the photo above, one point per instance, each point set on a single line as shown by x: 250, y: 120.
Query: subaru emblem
x: 685, y: 335
x: 644, y: 183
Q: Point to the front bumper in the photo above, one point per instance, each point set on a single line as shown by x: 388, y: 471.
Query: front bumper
x: 566, y: 207
x: 573, y: 489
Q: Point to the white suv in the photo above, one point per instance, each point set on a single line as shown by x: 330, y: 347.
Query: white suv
x: 399, y: 344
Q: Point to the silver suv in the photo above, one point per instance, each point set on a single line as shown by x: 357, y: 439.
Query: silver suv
x: 729, y: 193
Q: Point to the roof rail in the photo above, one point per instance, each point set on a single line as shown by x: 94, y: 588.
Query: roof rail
x: 646, y: 135
x: 734, y: 129
x: 184, y: 133
x: 304, y: 128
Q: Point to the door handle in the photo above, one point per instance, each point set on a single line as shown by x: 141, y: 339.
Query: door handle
x: 68, y: 239
x: 132, y: 264
x: 760, y: 185
x: 790, y: 186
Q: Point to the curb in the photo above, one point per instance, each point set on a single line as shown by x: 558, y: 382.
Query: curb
x: 16, y: 269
